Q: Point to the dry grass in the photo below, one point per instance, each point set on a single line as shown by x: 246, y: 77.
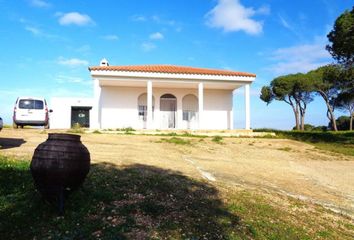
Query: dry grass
x: 279, y: 166
x: 145, y: 202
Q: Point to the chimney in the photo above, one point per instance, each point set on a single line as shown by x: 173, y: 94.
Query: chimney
x: 104, y: 63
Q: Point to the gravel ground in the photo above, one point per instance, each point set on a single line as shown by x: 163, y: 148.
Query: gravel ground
x: 269, y: 165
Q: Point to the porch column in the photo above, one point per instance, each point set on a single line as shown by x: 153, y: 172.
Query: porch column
x: 201, y: 104
x: 149, y: 105
x: 95, y: 121
x: 179, y: 118
x: 247, y: 107
x: 232, y: 111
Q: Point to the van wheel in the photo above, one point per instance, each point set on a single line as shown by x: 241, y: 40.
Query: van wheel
x: 14, y: 125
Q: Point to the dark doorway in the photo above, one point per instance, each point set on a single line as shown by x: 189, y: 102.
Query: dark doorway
x: 80, y: 116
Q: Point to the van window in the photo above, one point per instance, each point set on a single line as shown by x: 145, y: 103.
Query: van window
x: 30, y: 104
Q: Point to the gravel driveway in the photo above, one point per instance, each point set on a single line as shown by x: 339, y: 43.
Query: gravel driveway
x: 272, y: 165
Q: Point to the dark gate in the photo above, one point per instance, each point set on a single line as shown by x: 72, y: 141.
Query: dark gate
x: 80, y: 116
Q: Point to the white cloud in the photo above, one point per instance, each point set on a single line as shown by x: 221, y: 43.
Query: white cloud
x: 138, y: 18
x: 84, y: 49
x: 157, y: 19
x: 72, y: 62
x: 40, y: 33
x: 231, y: 16
x: 110, y: 37
x: 293, y: 28
x: 33, y: 30
x: 299, y: 58
x: 39, y: 3
x: 74, y: 18
x: 284, y: 23
x: 265, y: 10
x: 147, y: 46
x: 63, y: 79
x: 156, y: 36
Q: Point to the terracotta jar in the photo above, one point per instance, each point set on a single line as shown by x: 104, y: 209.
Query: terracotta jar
x: 59, y: 166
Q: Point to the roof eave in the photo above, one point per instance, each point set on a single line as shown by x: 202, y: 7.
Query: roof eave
x: 158, y: 75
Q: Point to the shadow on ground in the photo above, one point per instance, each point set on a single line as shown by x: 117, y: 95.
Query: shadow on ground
x: 6, y: 143
x: 132, y: 202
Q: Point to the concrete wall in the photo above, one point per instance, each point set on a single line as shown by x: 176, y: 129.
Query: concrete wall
x: 217, y: 109
x: 60, y: 118
x: 119, y: 107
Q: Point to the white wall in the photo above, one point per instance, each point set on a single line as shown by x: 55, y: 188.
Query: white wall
x: 120, y: 107
x: 217, y: 109
x: 60, y: 118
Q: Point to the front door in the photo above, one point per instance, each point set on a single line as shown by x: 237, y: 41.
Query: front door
x: 168, y: 108
x: 80, y: 116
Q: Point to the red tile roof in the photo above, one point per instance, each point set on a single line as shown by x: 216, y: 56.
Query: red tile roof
x: 171, y: 69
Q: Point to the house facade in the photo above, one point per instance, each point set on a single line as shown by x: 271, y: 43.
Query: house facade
x: 70, y: 112
x: 166, y: 97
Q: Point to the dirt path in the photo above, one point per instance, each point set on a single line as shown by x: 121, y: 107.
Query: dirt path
x: 272, y: 165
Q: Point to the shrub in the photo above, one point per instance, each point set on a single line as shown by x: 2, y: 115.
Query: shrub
x: 343, y: 123
x: 176, y: 140
x: 217, y: 139
x: 307, y: 127
x: 76, y: 128
x: 128, y: 129
x: 320, y: 128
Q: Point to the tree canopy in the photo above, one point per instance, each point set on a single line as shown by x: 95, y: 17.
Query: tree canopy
x: 341, y: 39
x: 333, y: 82
x: 295, y: 90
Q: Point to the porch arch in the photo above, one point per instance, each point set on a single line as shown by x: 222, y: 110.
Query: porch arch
x: 168, y: 109
x: 190, y: 110
x: 142, y: 107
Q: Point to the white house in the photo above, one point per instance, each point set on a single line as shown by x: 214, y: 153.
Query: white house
x: 166, y: 97
x: 66, y: 112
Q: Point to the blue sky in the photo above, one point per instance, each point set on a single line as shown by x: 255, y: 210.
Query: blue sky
x: 46, y: 46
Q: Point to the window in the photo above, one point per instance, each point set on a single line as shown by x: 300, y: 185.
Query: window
x: 142, y: 112
x: 30, y: 104
x: 142, y: 106
x: 190, y: 107
x: 189, y: 115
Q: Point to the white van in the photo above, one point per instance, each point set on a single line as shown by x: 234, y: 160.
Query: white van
x: 30, y: 111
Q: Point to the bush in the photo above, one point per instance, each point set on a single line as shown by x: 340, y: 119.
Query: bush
x: 343, y: 123
x: 217, y: 139
x: 176, y: 140
x: 320, y: 129
x: 307, y: 127
x: 76, y: 128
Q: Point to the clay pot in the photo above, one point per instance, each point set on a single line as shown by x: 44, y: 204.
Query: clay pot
x: 59, y: 166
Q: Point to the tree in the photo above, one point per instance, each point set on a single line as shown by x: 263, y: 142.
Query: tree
x: 341, y: 39
x: 341, y: 47
x: 281, y: 91
x: 293, y: 89
x: 302, y: 91
x: 343, y: 123
x: 345, y: 102
x: 325, y: 83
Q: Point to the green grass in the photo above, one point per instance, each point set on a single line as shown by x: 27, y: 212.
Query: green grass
x: 286, y: 149
x: 338, y: 142
x: 176, y: 140
x: 217, y: 139
x: 76, y: 130
x: 145, y: 202
x: 126, y: 129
